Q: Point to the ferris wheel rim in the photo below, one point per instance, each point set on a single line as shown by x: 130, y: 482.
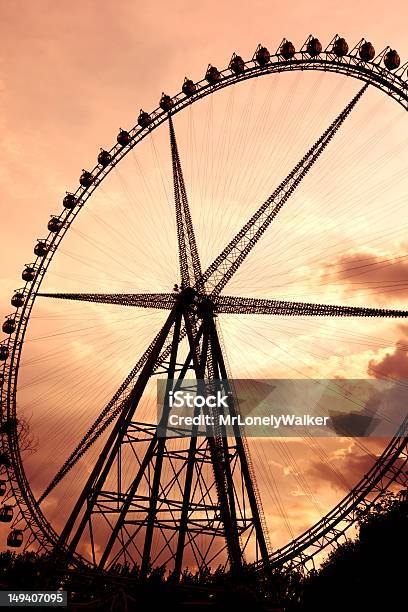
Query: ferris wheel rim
x: 372, y: 72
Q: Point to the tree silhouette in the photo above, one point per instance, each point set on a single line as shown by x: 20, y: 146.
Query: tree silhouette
x: 367, y: 573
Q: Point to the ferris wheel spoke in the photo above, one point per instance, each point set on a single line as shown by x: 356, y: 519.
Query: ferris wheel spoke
x: 230, y: 259
x: 240, y: 305
x: 163, y: 301
x: 190, y: 267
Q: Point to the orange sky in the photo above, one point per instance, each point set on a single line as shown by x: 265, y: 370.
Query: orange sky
x: 72, y: 73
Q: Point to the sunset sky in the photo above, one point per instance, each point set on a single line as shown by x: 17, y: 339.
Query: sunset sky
x: 71, y: 74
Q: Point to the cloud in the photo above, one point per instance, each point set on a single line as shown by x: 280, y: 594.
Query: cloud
x: 383, y: 274
x: 392, y: 365
x: 341, y: 472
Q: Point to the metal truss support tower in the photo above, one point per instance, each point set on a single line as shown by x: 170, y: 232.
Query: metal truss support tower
x: 194, y: 503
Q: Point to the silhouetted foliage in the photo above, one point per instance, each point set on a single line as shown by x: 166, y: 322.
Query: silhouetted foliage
x: 367, y: 573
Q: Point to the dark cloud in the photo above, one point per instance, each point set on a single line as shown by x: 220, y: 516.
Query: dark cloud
x: 384, y: 275
x: 393, y: 365
x: 343, y: 472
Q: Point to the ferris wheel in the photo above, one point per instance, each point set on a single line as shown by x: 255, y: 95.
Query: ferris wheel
x: 122, y: 494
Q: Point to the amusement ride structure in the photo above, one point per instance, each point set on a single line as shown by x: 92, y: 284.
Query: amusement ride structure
x: 192, y: 500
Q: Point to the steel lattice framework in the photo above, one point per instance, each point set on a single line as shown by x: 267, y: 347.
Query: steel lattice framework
x: 232, y: 514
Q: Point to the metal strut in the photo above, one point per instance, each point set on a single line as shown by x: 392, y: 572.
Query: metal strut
x: 112, y: 410
x: 240, y: 305
x: 105, y: 461
x: 245, y: 458
x: 190, y: 267
x: 233, y: 304
x: 229, y: 260
x: 219, y: 458
x: 163, y: 301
